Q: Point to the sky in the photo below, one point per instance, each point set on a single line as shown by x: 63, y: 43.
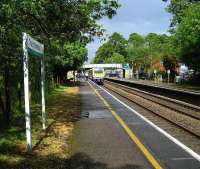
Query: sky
x: 141, y: 16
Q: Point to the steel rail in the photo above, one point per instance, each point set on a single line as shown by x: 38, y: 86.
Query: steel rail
x: 183, y: 108
x: 128, y: 91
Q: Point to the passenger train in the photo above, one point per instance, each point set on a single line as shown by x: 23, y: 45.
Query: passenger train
x: 97, y: 75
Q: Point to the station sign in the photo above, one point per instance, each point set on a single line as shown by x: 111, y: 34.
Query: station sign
x: 126, y: 66
x: 31, y: 46
x: 34, y: 47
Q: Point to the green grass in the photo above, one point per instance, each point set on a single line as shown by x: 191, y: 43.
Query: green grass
x: 63, y: 107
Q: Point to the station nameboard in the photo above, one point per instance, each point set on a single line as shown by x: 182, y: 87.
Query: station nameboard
x: 34, y: 47
x: 126, y: 66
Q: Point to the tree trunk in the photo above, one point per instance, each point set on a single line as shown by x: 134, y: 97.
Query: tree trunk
x: 7, y: 95
x: 2, y: 104
x: 19, y: 98
x: 132, y: 70
x: 57, y: 80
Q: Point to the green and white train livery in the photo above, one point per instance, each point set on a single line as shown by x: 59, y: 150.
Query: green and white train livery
x: 97, y: 75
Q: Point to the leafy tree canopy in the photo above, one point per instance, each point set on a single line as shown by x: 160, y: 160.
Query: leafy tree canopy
x: 176, y: 8
x: 136, y: 40
x: 63, y: 26
x: 187, y: 37
x: 115, y: 44
x: 136, y: 48
x: 144, y: 51
x: 115, y: 58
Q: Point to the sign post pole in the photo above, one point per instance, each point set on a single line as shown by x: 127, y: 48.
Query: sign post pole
x: 37, y: 50
x: 43, y: 93
x: 26, y: 94
x: 155, y: 73
x: 34, y: 47
x: 168, y: 76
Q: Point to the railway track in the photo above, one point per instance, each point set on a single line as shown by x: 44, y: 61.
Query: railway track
x: 169, y: 92
x: 181, y: 114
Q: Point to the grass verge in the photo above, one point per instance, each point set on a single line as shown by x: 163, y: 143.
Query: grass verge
x: 51, y: 149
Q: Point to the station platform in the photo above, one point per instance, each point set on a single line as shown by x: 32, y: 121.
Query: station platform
x: 112, y: 136
x: 172, y: 86
x: 166, y: 90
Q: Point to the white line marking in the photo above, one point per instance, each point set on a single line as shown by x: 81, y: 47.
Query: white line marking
x: 181, y: 158
x: 184, y: 147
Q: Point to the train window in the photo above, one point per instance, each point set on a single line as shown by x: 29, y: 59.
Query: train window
x: 98, y: 71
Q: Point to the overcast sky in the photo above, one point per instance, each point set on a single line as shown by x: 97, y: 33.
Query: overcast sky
x: 141, y: 16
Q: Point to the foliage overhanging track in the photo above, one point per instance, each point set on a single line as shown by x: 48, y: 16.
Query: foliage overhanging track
x: 181, y: 114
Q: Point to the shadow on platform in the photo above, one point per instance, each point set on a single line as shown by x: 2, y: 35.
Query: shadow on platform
x: 77, y: 161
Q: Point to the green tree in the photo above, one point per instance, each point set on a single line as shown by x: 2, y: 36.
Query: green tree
x: 115, y: 44
x: 153, y: 44
x: 65, y: 27
x: 136, y: 40
x: 137, y: 50
x: 187, y: 37
x: 170, y: 63
x: 115, y: 58
x: 157, y: 46
x: 144, y: 51
x: 176, y: 8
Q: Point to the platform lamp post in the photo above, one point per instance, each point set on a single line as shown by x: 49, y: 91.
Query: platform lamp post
x: 33, y: 47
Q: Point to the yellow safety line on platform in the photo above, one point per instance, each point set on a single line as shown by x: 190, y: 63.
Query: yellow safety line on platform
x: 130, y: 133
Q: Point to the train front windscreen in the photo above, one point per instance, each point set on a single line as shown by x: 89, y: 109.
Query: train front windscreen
x: 98, y: 76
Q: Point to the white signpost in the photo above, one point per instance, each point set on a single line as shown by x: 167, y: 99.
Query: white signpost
x: 155, y: 73
x: 37, y: 49
x: 168, y: 75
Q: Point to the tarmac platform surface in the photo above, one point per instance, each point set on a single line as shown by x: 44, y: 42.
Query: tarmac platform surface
x: 100, y: 142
